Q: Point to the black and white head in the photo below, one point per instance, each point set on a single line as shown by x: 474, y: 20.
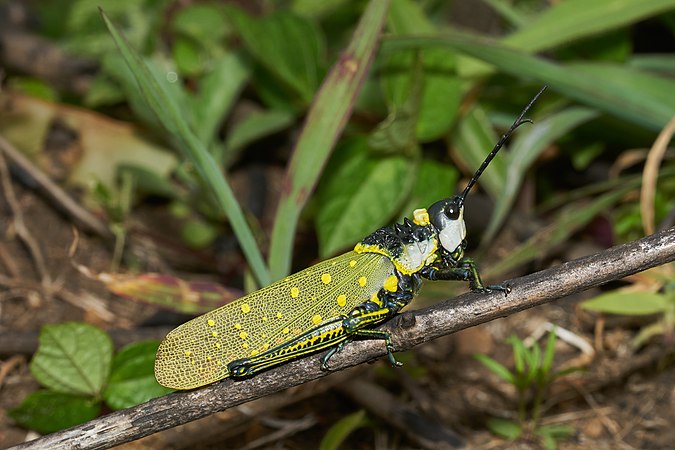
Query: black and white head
x: 447, y: 215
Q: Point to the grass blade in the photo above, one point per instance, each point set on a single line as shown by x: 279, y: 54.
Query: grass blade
x: 325, y: 121
x: 649, y: 101
x: 171, y: 118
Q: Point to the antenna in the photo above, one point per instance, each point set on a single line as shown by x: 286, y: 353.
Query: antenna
x: 519, y: 121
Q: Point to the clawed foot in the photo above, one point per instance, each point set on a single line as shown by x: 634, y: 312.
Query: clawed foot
x: 506, y: 289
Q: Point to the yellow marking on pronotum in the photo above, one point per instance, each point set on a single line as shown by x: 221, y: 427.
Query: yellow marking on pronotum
x: 295, y: 292
x: 341, y: 300
x: 421, y: 217
x: 316, y: 319
x: 211, y: 322
x: 391, y: 283
x: 326, y: 278
x: 245, y: 308
x: 363, y: 281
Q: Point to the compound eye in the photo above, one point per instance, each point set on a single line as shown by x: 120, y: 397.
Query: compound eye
x: 452, y: 211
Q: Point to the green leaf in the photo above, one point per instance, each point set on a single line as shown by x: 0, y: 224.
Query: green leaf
x: 648, y: 102
x: 525, y: 148
x: 628, y: 303
x: 338, y: 433
x: 218, y: 91
x: 434, y: 181
x: 442, y: 89
x: 198, y: 234
x: 549, y: 353
x: 49, y: 411
x: 132, y: 380
x: 519, y: 354
x: 254, y: 127
x: 288, y: 46
x: 577, y: 19
x: 505, y: 428
x: 169, y: 113
x: 204, y: 23
x: 472, y: 140
x: 359, y: 195
x: 570, y: 219
x: 397, y: 133
x: 325, y: 121
x: 495, y: 367
x: 73, y: 358
x: 553, y: 433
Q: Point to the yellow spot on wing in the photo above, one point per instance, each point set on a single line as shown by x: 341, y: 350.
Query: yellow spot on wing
x: 245, y: 308
x: 326, y: 278
x: 363, y: 281
x: 352, y: 263
x: 341, y: 300
x: 316, y: 319
x: 243, y: 335
x: 286, y: 330
x: 295, y: 292
x: 391, y: 283
x: 188, y: 353
x: 214, y: 334
x: 211, y: 322
x: 279, y: 316
x: 237, y: 326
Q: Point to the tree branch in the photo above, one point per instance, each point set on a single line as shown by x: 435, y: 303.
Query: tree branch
x: 408, y: 329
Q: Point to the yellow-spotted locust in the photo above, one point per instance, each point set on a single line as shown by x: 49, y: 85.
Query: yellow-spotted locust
x: 325, y: 306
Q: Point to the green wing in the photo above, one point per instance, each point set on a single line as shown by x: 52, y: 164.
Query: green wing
x: 197, y: 352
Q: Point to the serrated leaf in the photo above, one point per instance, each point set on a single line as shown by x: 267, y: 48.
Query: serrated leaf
x: 73, y: 358
x: 336, y: 435
x: 628, y: 303
x: 132, y: 379
x: 49, y: 411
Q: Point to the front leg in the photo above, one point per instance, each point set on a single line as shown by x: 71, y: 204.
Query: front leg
x: 466, y: 270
